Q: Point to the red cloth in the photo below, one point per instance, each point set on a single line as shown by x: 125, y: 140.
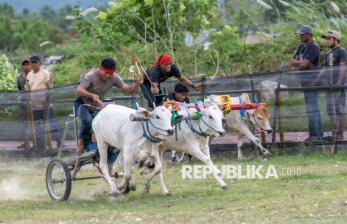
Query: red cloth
x: 109, y: 71
x: 164, y: 59
x: 247, y: 106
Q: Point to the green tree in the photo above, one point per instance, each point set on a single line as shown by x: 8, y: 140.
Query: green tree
x: 7, y: 75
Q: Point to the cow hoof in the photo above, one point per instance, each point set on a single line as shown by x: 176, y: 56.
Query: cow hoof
x: 265, y: 156
x: 168, y: 194
x: 114, y: 194
x: 224, y: 187
x: 132, y: 184
x: 132, y: 187
x: 147, y: 188
x: 241, y: 158
x: 127, y: 189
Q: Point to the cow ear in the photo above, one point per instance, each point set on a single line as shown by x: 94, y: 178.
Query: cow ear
x: 142, y: 111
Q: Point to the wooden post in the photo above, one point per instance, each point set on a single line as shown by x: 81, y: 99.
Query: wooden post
x: 276, y: 108
x: 261, y: 99
x: 32, y: 123
x: 333, y: 118
x: 46, y: 120
x: 48, y: 128
x: 279, y: 120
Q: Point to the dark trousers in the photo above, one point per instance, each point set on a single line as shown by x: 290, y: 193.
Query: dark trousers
x: 147, y: 93
x: 86, y: 116
x: 336, y: 103
x: 315, y: 125
x: 40, y: 119
x: 24, y: 126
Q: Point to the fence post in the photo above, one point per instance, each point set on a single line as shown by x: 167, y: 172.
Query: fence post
x: 261, y: 99
x: 132, y: 100
x: 279, y: 120
x: 31, y: 123
x: 333, y: 117
x: 203, y: 89
x: 276, y: 108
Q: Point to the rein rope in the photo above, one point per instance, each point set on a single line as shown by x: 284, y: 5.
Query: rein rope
x: 190, y: 124
x: 147, y: 133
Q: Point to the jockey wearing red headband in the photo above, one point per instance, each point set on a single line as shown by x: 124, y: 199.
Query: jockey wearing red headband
x: 164, y: 59
x: 91, y: 90
x: 159, y: 73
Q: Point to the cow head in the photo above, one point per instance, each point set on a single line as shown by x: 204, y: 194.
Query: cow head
x: 160, y: 121
x: 260, y: 118
x: 212, y: 120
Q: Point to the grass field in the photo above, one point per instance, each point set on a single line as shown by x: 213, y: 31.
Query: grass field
x: 318, y: 194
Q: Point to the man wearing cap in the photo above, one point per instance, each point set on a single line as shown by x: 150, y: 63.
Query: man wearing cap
x: 23, y: 115
x: 91, y: 90
x: 306, y: 59
x: 180, y: 94
x: 336, y: 58
x: 38, y: 82
x: 159, y: 73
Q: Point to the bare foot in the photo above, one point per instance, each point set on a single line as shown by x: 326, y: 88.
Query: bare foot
x: 80, y: 148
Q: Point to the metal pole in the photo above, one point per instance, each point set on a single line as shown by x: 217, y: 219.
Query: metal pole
x: 75, y: 126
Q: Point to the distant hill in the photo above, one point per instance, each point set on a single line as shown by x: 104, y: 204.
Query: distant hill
x: 36, y: 5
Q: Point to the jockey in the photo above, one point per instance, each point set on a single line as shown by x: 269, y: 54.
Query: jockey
x: 92, y: 88
x: 180, y: 95
x: 159, y: 73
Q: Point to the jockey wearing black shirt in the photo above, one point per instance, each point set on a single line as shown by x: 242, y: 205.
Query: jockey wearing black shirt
x: 159, y: 73
x: 180, y: 95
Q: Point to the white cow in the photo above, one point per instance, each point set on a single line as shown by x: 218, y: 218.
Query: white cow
x: 258, y: 120
x: 192, y: 138
x: 112, y: 127
x: 267, y: 89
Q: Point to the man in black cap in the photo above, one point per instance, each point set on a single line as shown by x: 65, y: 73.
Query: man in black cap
x: 92, y: 88
x: 306, y: 59
x: 180, y: 94
x: 23, y: 115
x: 336, y: 59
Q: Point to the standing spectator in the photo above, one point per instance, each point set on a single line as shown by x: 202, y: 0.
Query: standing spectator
x: 306, y: 59
x: 336, y: 59
x: 39, y: 81
x: 23, y: 115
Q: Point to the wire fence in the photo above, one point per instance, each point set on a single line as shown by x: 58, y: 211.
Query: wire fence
x: 285, y: 93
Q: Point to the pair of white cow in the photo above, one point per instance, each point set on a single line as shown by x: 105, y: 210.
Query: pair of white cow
x: 112, y: 126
